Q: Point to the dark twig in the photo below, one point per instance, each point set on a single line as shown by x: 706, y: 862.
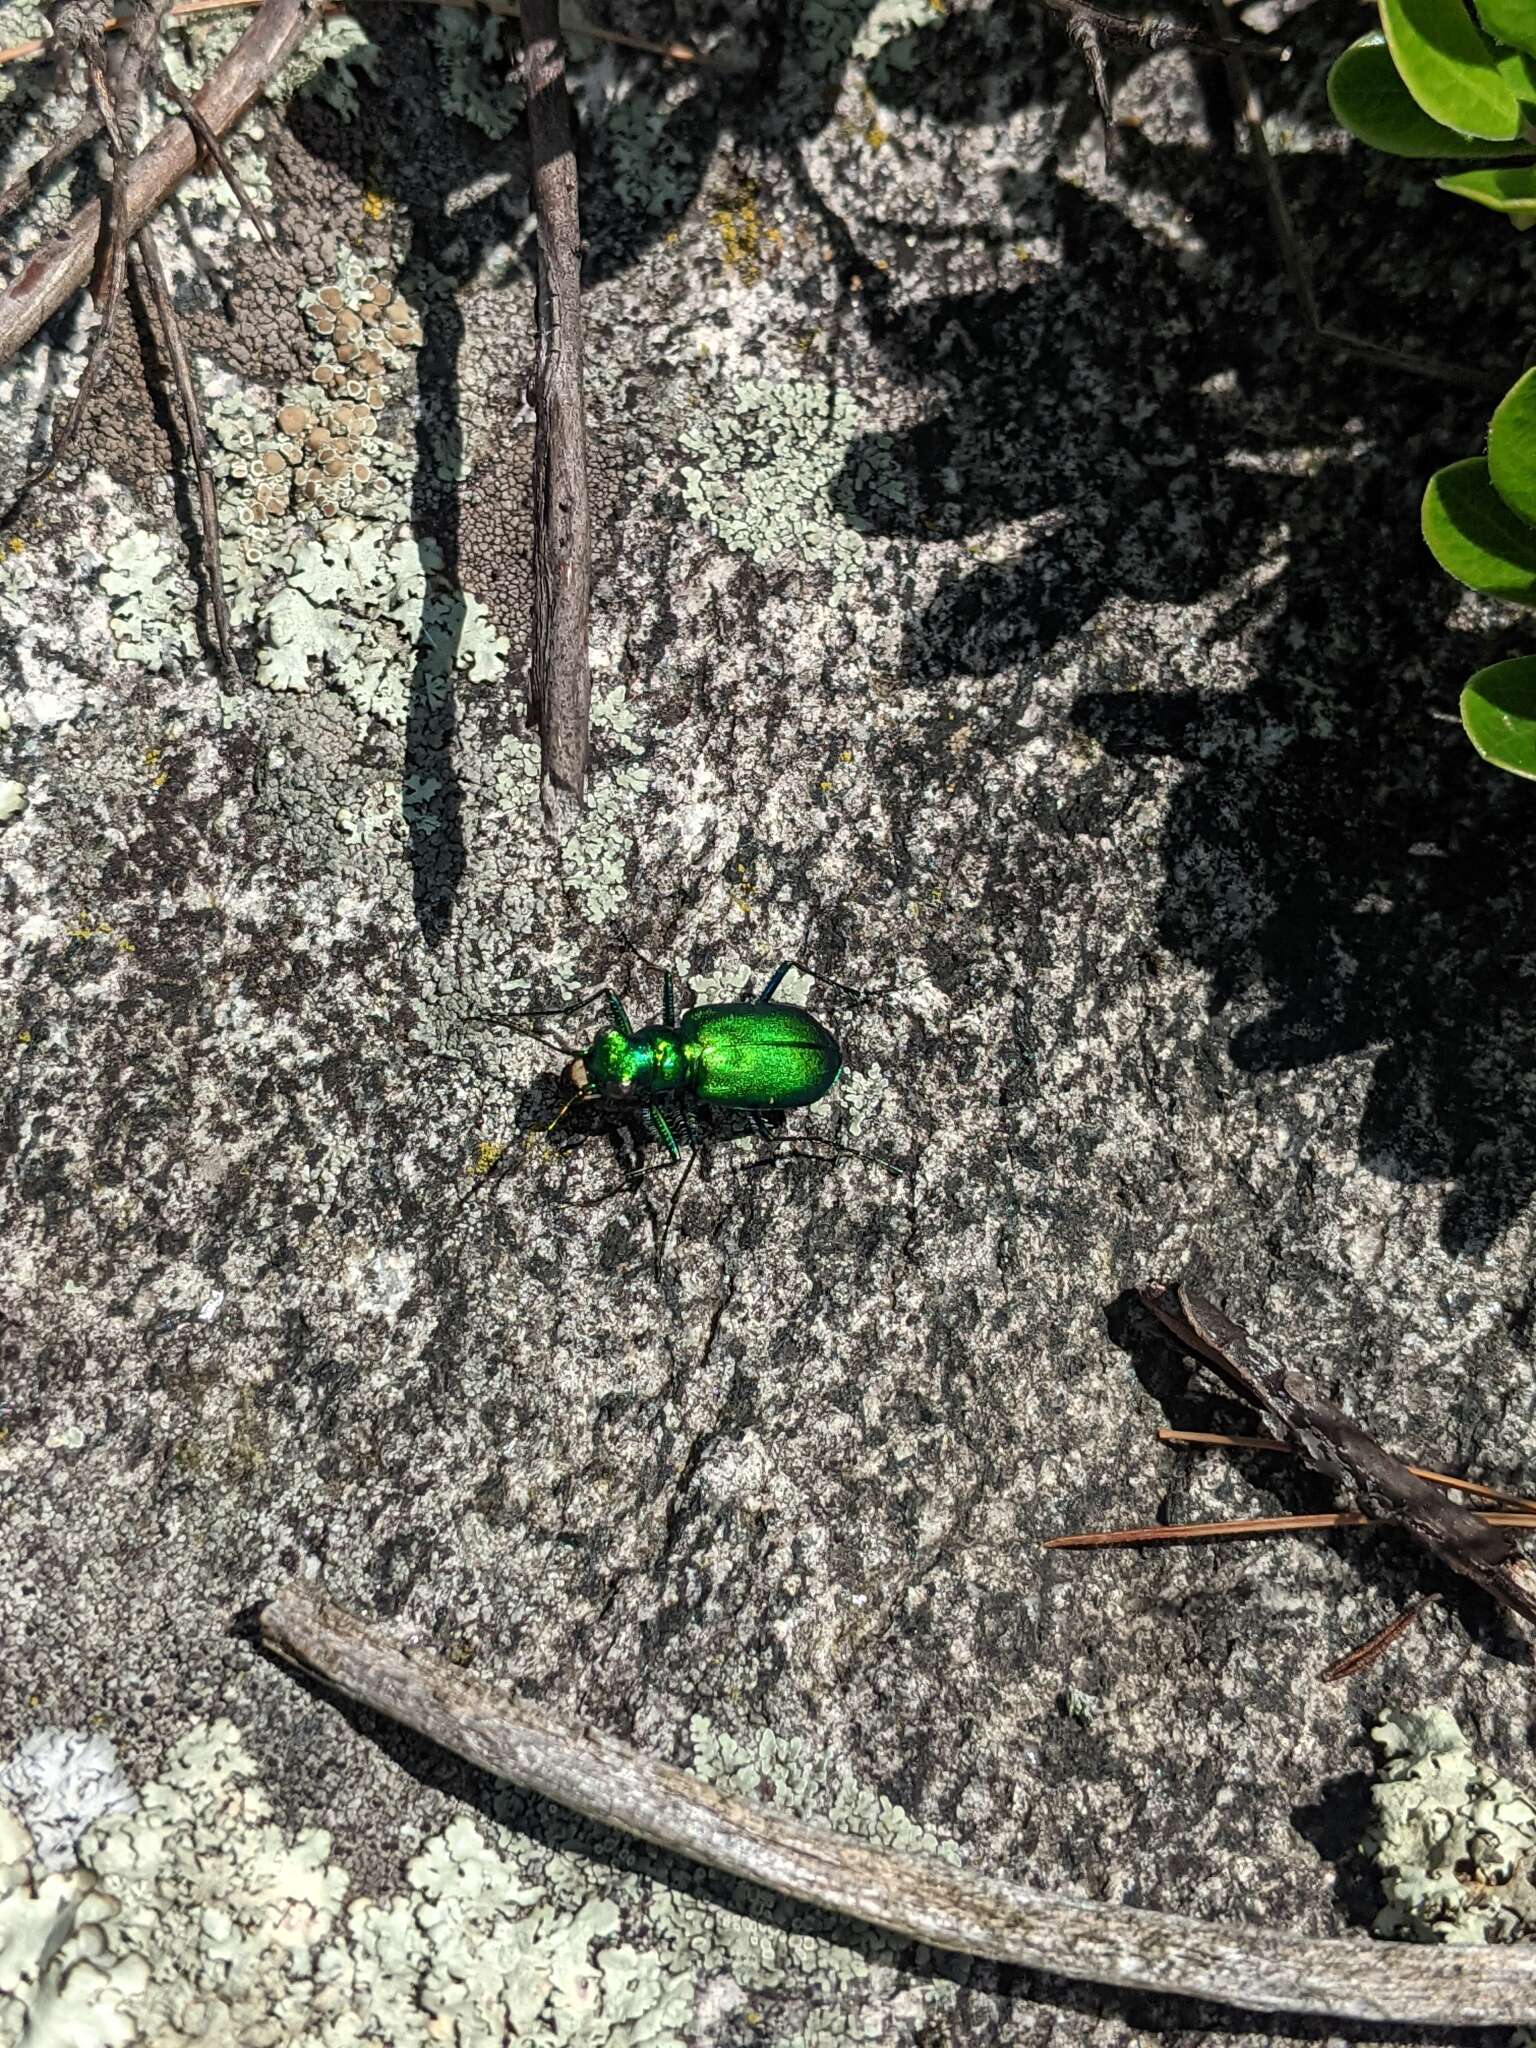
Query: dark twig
x: 110, y: 261
x: 1383, y: 1487
x: 218, y: 152
x: 560, y: 679
x: 1160, y: 32
x: 1249, y: 1525
x: 1084, y: 34
x: 1293, y: 257
x: 1219, y: 1440
x: 153, y: 273
x: 36, y: 175
x: 53, y: 273
x: 1358, y: 1660
x: 919, y: 1898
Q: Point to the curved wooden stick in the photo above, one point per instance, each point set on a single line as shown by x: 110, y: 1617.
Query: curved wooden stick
x: 56, y: 271
x: 917, y: 1897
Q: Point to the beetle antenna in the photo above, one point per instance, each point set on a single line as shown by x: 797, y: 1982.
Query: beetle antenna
x: 581, y: 1095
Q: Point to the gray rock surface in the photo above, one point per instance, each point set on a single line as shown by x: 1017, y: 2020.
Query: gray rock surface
x: 1005, y: 611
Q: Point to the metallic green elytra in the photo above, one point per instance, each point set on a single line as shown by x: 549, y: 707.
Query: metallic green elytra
x: 752, y: 1056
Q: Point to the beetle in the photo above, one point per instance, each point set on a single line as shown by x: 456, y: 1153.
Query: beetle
x: 753, y: 1056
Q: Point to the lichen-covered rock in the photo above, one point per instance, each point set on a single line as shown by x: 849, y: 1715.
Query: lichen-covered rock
x: 1453, y: 1840
x: 195, y: 1917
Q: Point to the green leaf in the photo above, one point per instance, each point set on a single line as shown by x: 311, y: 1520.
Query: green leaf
x: 1372, y: 102
x: 1498, y: 709
x: 1512, y: 192
x: 1475, y: 537
x: 1512, y: 448
x: 1448, y: 66
x: 1518, y: 72
x: 1509, y: 21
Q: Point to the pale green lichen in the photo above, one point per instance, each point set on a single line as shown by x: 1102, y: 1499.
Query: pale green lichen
x: 13, y: 798
x: 1453, y: 1841
x: 477, y: 59
x: 650, y: 164
x: 152, y: 601
x: 199, y: 1918
x: 767, y: 458
x: 58, y: 1784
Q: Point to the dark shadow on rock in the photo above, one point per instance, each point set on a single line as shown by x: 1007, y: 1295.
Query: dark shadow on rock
x: 426, y: 158
x: 1334, y: 1826
x: 1334, y: 847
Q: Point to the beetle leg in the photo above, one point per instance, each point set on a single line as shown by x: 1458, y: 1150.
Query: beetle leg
x: 690, y: 1130
x: 668, y: 1006
x: 663, y: 1131
x: 617, y: 1013
x: 761, y: 1125
x: 773, y: 981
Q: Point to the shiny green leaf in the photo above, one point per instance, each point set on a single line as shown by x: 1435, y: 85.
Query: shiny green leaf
x: 1449, y: 67
x: 1518, y: 72
x: 1510, y: 21
x: 1512, y: 448
x: 1475, y: 537
x: 1511, y: 192
x: 1372, y: 102
x: 1498, y: 709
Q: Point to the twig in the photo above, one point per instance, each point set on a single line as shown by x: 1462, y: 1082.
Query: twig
x: 1356, y: 1661
x: 1161, y: 32
x: 37, y: 174
x: 1217, y: 1439
x: 1248, y: 1525
x: 1294, y: 259
x: 1084, y: 34
x: 110, y: 258
x: 56, y: 271
x: 1333, y: 1443
x: 218, y: 152
x: 153, y: 271
x: 676, y: 53
x: 919, y: 1898
x: 560, y: 679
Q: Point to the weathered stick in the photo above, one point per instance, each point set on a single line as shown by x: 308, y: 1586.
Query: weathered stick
x: 58, y: 270
x: 1333, y: 1443
x: 560, y: 679
x: 919, y: 1898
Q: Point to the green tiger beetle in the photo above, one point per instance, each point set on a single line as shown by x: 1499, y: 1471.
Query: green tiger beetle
x: 753, y: 1056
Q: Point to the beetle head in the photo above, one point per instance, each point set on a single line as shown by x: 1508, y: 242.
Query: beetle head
x: 610, y: 1068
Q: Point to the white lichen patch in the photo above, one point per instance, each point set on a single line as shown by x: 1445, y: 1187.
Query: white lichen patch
x: 862, y: 1095
x: 197, y: 1917
x: 767, y: 456
x: 1453, y: 1841
x: 59, y: 1783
